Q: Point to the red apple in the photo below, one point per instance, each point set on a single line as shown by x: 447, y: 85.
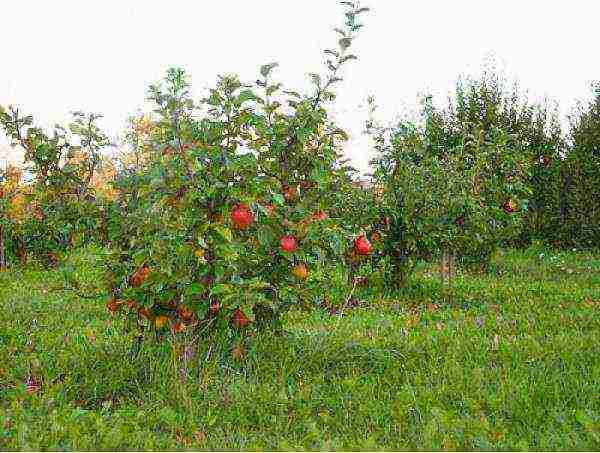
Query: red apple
x: 241, y: 217
x: 288, y: 243
x: 362, y: 245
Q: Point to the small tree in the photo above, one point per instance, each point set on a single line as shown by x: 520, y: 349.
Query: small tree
x: 226, y: 224
x: 454, y: 188
x: 64, y: 165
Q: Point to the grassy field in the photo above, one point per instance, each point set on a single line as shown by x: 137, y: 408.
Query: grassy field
x: 513, y: 362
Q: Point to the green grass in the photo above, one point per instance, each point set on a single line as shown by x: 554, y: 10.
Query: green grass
x: 512, y: 362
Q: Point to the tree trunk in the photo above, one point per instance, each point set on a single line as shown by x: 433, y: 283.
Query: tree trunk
x: 447, y: 266
x: 22, y: 254
x: 447, y: 272
x: 2, y: 252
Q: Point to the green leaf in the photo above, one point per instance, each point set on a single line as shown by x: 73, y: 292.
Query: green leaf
x: 335, y: 243
x: 266, y: 69
x: 247, y: 95
x: 224, y: 232
x: 345, y: 43
x: 220, y: 288
x: 292, y: 93
x: 194, y: 288
x: 273, y: 88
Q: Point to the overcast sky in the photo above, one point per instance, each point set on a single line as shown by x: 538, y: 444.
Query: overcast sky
x: 100, y: 56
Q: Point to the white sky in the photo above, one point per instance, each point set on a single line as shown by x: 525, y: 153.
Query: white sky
x: 100, y: 56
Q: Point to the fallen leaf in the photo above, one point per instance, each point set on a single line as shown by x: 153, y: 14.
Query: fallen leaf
x: 185, y: 441
x: 33, y: 384
x: 89, y: 333
x: 411, y: 321
x: 497, y: 435
x: 432, y: 307
x: 238, y: 352
x: 200, y: 437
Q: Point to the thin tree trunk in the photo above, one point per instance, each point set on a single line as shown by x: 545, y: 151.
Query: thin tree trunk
x: 2, y: 253
x: 447, y: 270
x: 22, y: 254
x: 447, y: 266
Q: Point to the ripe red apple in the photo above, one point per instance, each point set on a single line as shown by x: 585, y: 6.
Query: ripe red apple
x: 362, y: 245
x: 239, y: 319
x: 241, y: 216
x: 300, y: 271
x: 288, y: 243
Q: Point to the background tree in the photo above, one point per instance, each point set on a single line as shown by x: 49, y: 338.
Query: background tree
x: 580, y: 207
x: 64, y: 164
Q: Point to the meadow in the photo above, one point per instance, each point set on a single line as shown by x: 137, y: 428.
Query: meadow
x: 510, y: 362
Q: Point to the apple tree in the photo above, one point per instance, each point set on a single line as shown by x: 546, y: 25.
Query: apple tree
x: 228, y: 223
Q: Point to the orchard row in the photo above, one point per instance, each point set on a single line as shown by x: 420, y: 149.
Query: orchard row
x: 226, y: 212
